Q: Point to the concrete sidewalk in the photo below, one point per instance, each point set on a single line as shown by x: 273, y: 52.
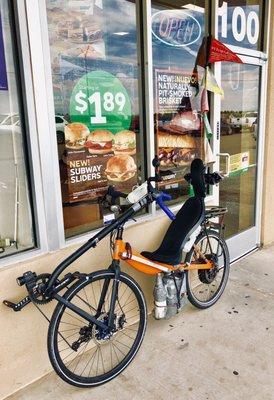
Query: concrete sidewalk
x: 223, y: 353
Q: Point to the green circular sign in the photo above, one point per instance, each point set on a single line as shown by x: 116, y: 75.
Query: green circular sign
x: 100, y: 101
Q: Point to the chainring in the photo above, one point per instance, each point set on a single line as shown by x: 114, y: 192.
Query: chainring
x: 36, y: 293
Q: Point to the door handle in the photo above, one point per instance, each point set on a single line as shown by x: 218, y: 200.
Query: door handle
x: 227, y: 163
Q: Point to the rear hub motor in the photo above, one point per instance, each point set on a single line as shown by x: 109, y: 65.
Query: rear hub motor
x: 208, y: 275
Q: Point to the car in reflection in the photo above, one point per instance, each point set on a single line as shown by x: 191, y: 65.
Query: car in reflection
x: 255, y: 129
x: 226, y: 128
x: 11, y: 172
x: 60, y: 123
x: 244, y: 122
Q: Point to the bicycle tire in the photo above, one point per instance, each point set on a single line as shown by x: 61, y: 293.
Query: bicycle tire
x: 192, y: 297
x: 54, y: 354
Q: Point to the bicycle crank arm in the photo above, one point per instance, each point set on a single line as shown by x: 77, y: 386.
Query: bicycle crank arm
x: 17, y: 306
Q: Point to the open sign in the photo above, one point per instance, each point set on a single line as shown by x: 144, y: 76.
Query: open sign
x: 175, y: 28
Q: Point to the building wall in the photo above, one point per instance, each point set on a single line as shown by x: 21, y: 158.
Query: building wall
x: 268, y: 189
x: 24, y: 334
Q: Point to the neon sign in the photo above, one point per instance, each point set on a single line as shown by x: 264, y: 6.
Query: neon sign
x: 176, y: 28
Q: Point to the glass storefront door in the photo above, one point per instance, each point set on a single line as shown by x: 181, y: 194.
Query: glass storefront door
x: 240, y: 117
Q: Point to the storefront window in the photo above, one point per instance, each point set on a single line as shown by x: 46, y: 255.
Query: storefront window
x: 240, y: 23
x: 177, y: 34
x: 16, y: 222
x: 95, y: 70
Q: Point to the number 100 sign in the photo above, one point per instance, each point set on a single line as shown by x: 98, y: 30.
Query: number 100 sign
x: 100, y: 101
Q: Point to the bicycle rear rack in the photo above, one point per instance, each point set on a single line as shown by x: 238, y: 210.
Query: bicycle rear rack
x: 216, y: 212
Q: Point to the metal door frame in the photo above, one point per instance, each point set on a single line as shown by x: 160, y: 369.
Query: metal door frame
x: 250, y: 239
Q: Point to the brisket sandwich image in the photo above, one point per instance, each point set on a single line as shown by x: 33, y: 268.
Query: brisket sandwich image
x: 75, y: 135
x: 120, y: 168
x: 176, y: 150
x: 124, y: 143
x: 183, y: 122
x: 99, y: 142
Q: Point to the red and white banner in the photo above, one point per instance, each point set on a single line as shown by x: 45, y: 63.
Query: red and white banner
x: 219, y: 52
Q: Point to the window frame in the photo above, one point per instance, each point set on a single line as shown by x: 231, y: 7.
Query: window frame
x: 31, y: 147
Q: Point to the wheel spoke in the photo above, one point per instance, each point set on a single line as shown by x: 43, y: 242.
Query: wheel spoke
x: 98, y: 353
x: 205, y: 285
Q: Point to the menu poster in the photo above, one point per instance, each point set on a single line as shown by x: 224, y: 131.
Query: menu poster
x: 100, y: 139
x: 85, y: 175
x: 178, y: 125
x: 89, y: 175
x: 3, y: 70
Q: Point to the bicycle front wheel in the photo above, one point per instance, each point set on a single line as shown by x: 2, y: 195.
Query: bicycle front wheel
x: 81, y: 353
x: 205, y: 286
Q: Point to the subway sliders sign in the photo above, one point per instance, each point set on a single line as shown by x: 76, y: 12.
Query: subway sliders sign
x: 100, y: 145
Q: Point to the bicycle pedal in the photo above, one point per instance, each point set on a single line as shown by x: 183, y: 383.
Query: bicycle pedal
x: 17, y: 306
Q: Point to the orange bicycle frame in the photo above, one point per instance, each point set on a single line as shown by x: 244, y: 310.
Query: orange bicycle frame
x: 122, y: 251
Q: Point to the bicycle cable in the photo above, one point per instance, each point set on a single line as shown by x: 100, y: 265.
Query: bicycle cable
x: 44, y: 315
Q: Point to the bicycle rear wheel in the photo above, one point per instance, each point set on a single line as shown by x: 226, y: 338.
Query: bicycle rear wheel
x: 205, y: 287
x: 80, y: 352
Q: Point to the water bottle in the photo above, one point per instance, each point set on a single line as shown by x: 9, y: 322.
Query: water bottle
x: 160, y: 298
x: 171, y: 295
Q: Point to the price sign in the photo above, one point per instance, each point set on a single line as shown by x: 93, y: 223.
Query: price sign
x: 100, y: 101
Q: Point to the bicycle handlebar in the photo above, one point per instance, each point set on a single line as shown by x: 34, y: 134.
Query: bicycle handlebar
x: 154, y: 195
x: 210, y: 178
x: 160, y: 199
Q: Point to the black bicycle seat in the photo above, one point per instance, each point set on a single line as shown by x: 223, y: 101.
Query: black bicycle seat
x: 188, y: 218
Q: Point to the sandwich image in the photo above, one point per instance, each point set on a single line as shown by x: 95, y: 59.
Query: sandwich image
x: 99, y: 142
x: 184, y: 122
x: 124, y: 143
x: 75, y: 135
x: 120, y: 168
x: 176, y: 150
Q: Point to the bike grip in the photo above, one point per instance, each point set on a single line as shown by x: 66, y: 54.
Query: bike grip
x: 160, y: 201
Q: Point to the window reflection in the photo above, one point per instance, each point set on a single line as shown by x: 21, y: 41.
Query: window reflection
x: 96, y: 75
x: 239, y: 134
x: 177, y: 34
x: 16, y: 222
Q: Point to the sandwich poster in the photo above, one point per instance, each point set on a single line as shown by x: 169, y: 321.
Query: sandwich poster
x: 3, y: 70
x: 96, y: 159
x: 95, y: 96
x: 100, y: 139
x: 178, y: 124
